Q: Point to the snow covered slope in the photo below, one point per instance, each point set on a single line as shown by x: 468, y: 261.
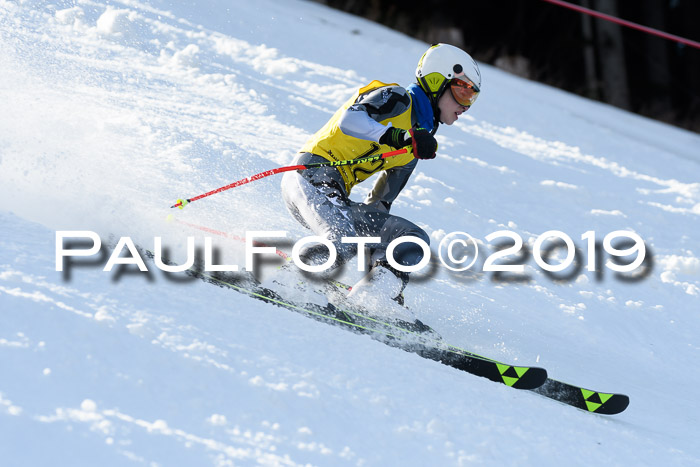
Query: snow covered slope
x: 110, y: 111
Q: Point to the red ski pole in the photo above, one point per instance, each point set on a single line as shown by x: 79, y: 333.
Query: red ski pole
x: 181, y: 203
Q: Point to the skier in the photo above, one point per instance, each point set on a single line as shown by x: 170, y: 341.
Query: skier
x: 378, y: 118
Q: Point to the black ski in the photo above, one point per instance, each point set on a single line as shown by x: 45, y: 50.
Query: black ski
x: 423, y: 341
x: 584, y: 399
x: 575, y: 396
x: 579, y: 397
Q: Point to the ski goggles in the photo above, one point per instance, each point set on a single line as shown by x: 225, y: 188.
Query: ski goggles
x: 464, y: 91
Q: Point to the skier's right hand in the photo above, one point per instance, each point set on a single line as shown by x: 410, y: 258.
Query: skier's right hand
x: 424, y: 144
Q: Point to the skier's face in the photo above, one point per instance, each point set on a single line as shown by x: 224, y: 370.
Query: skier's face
x: 450, y: 109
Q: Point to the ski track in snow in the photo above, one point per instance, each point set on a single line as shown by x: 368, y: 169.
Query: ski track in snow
x: 111, y: 111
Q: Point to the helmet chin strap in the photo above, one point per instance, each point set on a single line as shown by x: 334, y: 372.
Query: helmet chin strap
x: 436, y: 116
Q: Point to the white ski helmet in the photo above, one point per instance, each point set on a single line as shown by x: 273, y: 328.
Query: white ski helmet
x: 443, y: 63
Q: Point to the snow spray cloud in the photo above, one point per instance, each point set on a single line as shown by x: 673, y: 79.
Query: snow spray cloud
x: 630, y: 259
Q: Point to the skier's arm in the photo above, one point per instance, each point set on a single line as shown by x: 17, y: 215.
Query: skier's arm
x: 361, y: 120
x: 389, y: 184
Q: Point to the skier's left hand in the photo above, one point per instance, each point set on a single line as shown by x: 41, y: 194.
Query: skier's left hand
x: 424, y: 144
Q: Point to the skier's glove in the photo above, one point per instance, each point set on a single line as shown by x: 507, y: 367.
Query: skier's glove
x: 423, y: 143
